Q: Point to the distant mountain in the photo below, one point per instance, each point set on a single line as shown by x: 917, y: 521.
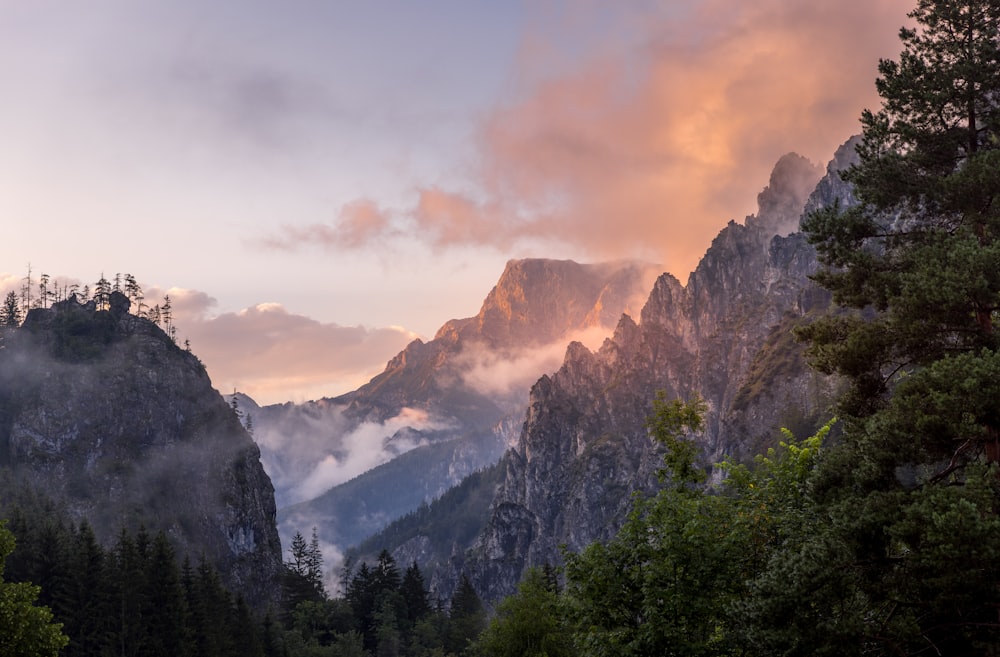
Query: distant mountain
x: 105, y: 415
x: 584, y: 450
x: 452, y: 404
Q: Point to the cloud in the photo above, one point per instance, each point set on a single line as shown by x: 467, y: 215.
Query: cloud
x: 358, y: 223
x: 499, y: 374
x: 662, y: 134
x: 265, y: 351
x: 275, y: 356
x: 368, y: 445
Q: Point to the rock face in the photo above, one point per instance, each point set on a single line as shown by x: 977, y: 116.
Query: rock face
x: 725, y: 336
x: 535, y: 303
x: 106, y: 415
x: 449, y: 404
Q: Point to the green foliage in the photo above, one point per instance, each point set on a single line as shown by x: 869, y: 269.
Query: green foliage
x: 673, y: 579
x: 529, y: 623
x: 466, y: 618
x: 26, y: 630
x: 904, y: 561
x: 10, y: 312
x: 79, y: 335
x: 670, y: 422
x: 780, y: 358
x: 920, y: 253
x: 302, y: 579
x: 455, y: 518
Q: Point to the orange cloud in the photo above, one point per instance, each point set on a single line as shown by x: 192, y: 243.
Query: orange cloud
x: 277, y: 356
x: 668, y: 131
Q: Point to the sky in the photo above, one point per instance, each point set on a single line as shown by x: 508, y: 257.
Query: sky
x: 315, y: 183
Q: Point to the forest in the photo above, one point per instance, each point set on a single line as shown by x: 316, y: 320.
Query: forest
x: 878, y: 535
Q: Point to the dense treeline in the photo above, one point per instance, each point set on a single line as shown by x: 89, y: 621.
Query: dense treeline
x: 455, y: 518
x: 138, y: 598
x: 134, y: 598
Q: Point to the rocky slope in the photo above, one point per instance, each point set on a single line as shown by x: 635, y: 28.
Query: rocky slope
x: 105, y: 414
x: 725, y: 336
x: 452, y: 403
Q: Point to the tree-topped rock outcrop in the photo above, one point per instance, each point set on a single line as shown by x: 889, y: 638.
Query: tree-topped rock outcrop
x: 101, y: 411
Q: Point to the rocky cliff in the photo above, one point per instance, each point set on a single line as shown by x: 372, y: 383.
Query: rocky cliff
x: 725, y: 336
x: 105, y: 414
x: 448, y: 404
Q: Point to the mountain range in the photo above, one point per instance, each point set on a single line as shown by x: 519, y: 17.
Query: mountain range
x: 441, y: 409
x: 584, y: 450
x: 506, y: 439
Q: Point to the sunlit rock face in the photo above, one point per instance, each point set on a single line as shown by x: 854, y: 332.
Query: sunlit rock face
x: 725, y: 336
x: 102, y: 412
x: 441, y: 409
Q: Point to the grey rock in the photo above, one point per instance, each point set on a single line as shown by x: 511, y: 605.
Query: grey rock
x: 725, y: 336
x: 107, y: 416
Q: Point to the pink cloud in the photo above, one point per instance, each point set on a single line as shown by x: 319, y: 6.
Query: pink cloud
x: 668, y: 130
x: 358, y: 222
x: 276, y: 356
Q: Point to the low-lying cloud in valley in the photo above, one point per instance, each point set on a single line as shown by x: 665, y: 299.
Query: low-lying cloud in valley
x: 502, y: 374
x: 366, y: 446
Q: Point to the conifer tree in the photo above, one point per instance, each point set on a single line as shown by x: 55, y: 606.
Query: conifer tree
x: 43, y: 291
x: 166, y: 313
x: 90, y: 609
x: 102, y: 293
x: 906, y: 560
x: 917, y: 257
x: 414, y: 593
x: 10, y: 312
x: 466, y: 618
x: 166, y: 608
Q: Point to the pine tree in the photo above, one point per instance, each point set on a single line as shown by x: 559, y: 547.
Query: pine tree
x: 10, y: 312
x: 414, y: 594
x: 26, y: 284
x: 917, y: 258
x: 43, y: 291
x: 166, y: 313
x: 234, y: 404
x: 303, y: 576
x: 102, y: 293
x: 906, y: 562
x: 314, y: 564
x: 91, y: 607
x: 166, y: 607
x: 466, y: 618
x: 134, y: 293
x: 130, y: 595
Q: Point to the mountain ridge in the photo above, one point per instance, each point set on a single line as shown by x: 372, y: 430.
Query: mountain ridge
x: 458, y: 394
x: 584, y: 450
